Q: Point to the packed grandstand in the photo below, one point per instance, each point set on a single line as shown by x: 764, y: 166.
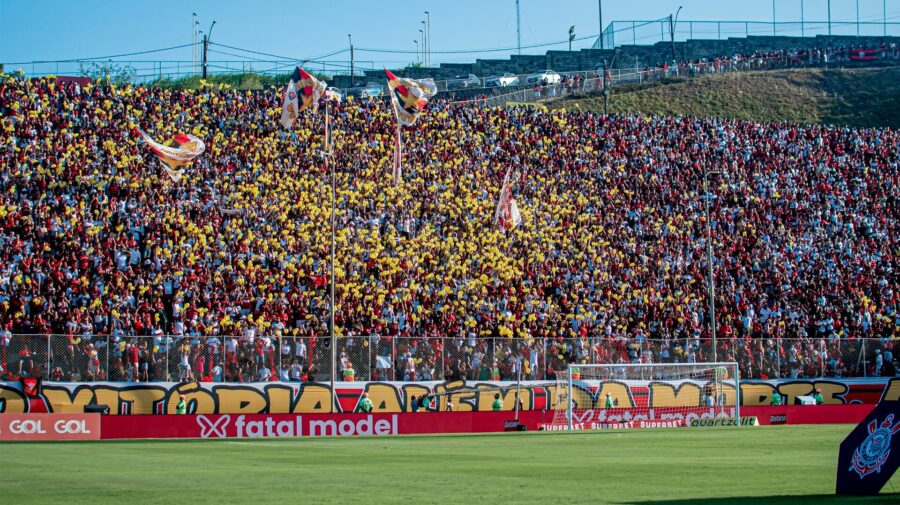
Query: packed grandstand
x: 113, y: 271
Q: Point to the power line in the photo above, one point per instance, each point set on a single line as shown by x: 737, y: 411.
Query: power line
x: 248, y: 58
x: 103, y: 57
x: 280, y: 57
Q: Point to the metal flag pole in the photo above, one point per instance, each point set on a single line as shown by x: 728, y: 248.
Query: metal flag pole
x: 709, y: 261
x: 518, y: 387
x: 330, y: 168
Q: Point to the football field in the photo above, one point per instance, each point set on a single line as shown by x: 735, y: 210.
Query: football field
x: 762, y: 465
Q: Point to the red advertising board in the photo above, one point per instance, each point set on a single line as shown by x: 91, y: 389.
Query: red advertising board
x: 305, y: 425
x: 33, y: 427
x: 809, y: 414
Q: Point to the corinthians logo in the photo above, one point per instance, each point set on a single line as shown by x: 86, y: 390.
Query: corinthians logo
x: 875, y: 449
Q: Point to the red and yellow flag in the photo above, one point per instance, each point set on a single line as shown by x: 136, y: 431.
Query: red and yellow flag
x: 409, y: 96
x: 175, y: 154
x: 303, y: 91
x: 507, y: 214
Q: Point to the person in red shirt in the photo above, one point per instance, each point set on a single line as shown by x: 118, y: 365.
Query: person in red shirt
x: 26, y: 363
x: 134, y: 360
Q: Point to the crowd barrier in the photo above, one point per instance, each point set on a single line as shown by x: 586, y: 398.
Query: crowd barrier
x: 106, y: 358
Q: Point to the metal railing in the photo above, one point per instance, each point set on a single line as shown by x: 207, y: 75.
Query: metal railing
x: 251, y: 358
x: 142, y: 71
x: 649, y: 32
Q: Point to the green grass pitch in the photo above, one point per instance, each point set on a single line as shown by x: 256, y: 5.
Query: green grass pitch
x: 763, y: 465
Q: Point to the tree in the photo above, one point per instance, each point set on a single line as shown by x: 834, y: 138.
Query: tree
x: 116, y: 73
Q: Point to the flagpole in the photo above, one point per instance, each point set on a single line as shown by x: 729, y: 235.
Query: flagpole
x: 330, y: 167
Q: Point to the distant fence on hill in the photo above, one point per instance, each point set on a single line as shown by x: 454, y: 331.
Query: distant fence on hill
x: 648, y: 32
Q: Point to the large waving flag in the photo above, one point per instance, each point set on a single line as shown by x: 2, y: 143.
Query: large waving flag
x: 409, y: 96
x: 177, y: 153
x: 302, y: 92
x: 507, y: 214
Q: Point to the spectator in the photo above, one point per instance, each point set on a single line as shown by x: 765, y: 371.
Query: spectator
x: 365, y: 404
x: 348, y: 374
x: 184, y: 366
x: 775, y: 399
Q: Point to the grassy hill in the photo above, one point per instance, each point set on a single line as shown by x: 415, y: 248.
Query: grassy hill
x: 856, y: 97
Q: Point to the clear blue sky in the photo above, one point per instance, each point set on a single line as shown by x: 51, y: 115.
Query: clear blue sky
x: 57, y: 29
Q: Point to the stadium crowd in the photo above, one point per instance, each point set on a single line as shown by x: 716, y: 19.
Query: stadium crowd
x: 227, y: 270
x: 764, y: 60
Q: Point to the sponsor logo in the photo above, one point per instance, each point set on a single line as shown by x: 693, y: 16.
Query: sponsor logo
x: 49, y: 426
x: 625, y: 416
x: 35, y: 426
x: 212, y: 427
x: 623, y: 419
x: 263, y: 426
x: 626, y: 425
x: 705, y: 423
x: 778, y: 419
x: 875, y: 449
x: 513, y: 426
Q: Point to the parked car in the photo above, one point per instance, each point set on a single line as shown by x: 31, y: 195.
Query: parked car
x: 336, y: 91
x: 371, y: 89
x: 464, y: 82
x: 502, y: 81
x: 545, y: 77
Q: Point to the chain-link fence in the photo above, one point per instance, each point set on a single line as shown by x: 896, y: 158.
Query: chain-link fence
x: 250, y: 358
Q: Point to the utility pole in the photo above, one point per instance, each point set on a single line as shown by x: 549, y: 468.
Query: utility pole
x: 351, y: 59
x: 884, y: 15
x: 206, y: 39
x: 571, y: 36
x: 606, y: 88
x: 600, y: 9
x: 428, y: 42
x: 857, y: 18
x: 417, y: 49
x: 802, y: 21
x: 672, y: 23
x: 774, y: 33
x: 518, y: 30
x: 829, y: 18
x: 194, y: 23
x: 672, y: 34
x: 424, y: 40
